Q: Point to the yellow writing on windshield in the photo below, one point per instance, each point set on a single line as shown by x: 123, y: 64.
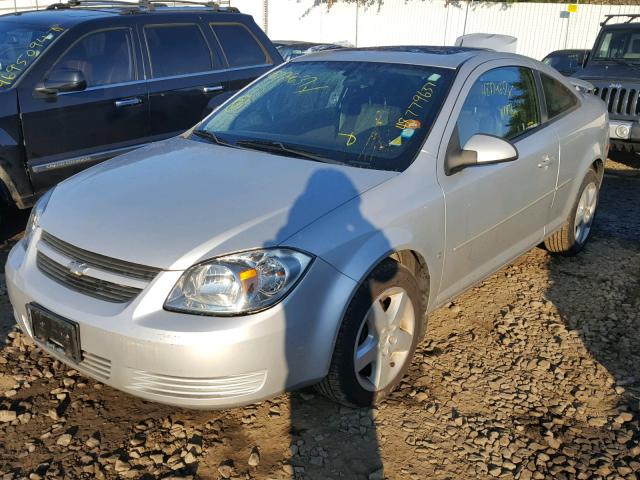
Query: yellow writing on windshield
x: 26, y: 57
x: 418, y: 100
x: 351, y: 138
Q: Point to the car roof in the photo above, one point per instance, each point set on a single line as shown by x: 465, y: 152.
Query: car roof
x: 435, y: 56
x: 568, y: 50
x: 70, y: 16
x: 73, y: 16
x: 619, y: 26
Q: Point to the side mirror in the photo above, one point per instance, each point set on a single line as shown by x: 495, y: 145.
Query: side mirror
x: 481, y: 149
x: 60, y: 81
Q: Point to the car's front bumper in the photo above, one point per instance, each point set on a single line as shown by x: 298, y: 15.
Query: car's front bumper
x: 190, y: 360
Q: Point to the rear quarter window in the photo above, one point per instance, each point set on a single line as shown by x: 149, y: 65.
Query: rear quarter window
x: 558, y: 98
x: 239, y: 45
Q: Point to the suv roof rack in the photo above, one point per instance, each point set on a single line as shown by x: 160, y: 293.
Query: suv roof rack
x: 629, y: 16
x: 141, y: 5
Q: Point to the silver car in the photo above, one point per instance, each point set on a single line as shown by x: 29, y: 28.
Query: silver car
x: 302, y: 233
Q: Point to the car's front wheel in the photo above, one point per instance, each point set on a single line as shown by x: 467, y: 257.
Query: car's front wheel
x: 575, y: 232
x: 377, y: 338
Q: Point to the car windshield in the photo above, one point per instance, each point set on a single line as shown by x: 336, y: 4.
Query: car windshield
x: 621, y: 45
x: 565, y: 62
x: 362, y: 114
x: 20, y: 46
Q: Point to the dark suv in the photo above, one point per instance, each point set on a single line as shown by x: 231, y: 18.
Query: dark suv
x: 613, y: 67
x: 81, y: 82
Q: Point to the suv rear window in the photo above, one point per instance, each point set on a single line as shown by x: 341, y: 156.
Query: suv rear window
x: 239, y: 45
x: 177, y: 50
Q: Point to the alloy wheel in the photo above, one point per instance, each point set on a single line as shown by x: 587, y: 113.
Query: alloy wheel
x: 585, y: 213
x: 384, y: 339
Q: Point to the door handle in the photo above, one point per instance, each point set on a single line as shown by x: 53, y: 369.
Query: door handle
x: 215, y: 88
x: 127, y: 102
x: 545, y: 162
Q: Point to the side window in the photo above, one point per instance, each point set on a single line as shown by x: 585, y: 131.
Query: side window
x: 502, y: 102
x: 239, y: 45
x: 104, y: 58
x: 558, y: 98
x: 177, y: 50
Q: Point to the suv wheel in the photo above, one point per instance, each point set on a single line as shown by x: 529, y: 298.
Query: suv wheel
x: 377, y: 338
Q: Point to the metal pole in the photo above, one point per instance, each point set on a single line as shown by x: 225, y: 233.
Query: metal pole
x: 466, y: 14
x: 357, y: 10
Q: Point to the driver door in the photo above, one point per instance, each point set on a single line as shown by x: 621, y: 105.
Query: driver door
x: 67, y: 132
x: 495, y: 212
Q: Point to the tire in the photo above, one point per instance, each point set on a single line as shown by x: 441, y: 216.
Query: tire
x: 392, y: 338
x: 575, y: 232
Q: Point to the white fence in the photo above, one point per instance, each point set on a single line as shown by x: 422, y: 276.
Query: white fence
x: 539, y: 27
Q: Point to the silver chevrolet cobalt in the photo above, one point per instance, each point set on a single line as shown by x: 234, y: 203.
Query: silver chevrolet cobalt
x: 302, y: 232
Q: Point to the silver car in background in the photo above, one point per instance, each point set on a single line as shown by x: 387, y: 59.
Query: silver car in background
x: 302, y: 232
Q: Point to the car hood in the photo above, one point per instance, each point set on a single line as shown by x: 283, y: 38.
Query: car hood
x: 611, y: 73
x: 174, y: 203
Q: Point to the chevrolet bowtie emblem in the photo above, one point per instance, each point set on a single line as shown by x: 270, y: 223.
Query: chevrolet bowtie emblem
x: 78, y: 268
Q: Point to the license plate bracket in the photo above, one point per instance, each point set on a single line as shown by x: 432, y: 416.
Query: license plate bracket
x: 57, y: 333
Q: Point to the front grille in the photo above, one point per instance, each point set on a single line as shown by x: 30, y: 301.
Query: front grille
x: 121, y: 267
x: 94, y: 287
x: 620, y: 101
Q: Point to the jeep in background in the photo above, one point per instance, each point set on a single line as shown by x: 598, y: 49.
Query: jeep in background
x: 82, y: 82
x: 613, y: 67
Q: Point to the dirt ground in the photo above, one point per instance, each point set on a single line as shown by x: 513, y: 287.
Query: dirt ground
x: 533, y: 374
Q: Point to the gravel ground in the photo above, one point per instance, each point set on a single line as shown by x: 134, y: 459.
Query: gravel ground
x: 533, y: 374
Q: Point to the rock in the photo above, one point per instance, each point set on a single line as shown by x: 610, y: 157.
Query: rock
x: 64, y: 440
x: 421, y: 397
x: 92, y: 442
x: 7, y: 416
x: 225, y: 470
x: 597, y: 421
x: 254, y: 458
x: 624, y: 417
x: 121, y: 466
x: 553, y: 442
x: 189, y: 458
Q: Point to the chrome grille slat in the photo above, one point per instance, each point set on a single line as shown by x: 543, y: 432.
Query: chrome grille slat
x: 98, y: 366
x: 121, y: 267
x: 197, y: 388
x: 622, y: 100
x: 101, y: 289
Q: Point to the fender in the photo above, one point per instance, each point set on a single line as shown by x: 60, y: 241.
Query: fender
x: 567, y: 189
x: 383, y: 220
x: 13, y: 174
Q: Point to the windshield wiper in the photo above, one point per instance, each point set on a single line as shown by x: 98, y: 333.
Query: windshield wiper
x: 207, y: 135
x: 279, y: 147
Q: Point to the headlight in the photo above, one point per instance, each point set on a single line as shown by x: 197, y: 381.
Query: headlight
x: 35, y: 216
x: 238, y: 283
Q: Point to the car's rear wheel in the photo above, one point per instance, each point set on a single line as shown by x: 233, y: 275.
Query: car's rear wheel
x: 377, y: 338
x: 575, y: 232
